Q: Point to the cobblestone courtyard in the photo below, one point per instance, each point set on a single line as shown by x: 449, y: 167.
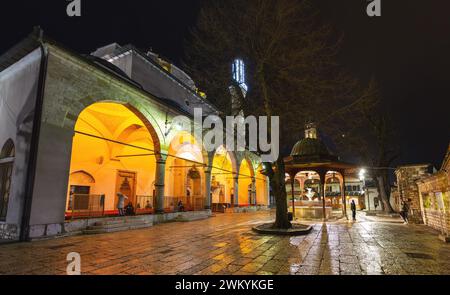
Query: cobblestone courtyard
x: 225, y: 244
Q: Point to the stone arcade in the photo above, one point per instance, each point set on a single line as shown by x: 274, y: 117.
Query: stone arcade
x: 77, y: 129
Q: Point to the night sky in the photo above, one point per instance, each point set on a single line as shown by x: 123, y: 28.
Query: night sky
x: 407, y: 49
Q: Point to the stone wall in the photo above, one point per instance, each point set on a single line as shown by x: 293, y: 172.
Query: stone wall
x: 18, y: 91
x: 435, y: 201
x: 9, y: 232
x: 76, y: 227
x: 407, y: 176
x: 438, y: 220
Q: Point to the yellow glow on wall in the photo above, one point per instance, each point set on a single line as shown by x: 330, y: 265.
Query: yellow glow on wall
x: 262, y: 195
x: 222, y: 177
x: 184, y: 155
x: 103, y: 159
x: 245, y: 182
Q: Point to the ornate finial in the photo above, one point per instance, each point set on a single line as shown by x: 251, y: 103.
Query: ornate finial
x: 311, y: 130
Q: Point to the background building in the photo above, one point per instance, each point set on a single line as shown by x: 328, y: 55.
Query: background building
x: 434, y: 192
x: 407, y: 177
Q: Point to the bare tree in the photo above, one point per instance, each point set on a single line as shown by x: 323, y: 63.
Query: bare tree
x: 291, y: 68
x: 368, y: 133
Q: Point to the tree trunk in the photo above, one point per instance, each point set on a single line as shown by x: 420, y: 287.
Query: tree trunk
x: 386, y: 204
x: 278, y: 176
x: 277, y: 181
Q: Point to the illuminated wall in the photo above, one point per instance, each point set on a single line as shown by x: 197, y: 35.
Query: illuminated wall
x: 95, y: 162
x: 18, y: 88
x: 246, y: 174
x: 262, y: 186
x: 222, y: 177
x: 184, y: 175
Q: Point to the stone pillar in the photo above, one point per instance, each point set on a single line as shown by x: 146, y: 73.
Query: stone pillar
x: 159, y: 185
x: 236, y: 190
x: 208, y: 200
x: 344, y: 197
x: 267, y: 191
x: 322, y: 193
x: 293, y: 194
x: 341, y: 191
x: 254, y: 202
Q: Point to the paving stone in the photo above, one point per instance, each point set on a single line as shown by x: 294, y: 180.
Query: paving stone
x: 226, y: 245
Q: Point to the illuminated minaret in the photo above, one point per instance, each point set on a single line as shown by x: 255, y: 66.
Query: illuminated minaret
x: 238, y: 72
x: 237, y: 97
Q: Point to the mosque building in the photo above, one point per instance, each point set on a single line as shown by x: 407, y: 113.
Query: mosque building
x: 76, y: 130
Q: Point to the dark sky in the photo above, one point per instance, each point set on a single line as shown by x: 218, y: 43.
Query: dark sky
x: 407, y: 49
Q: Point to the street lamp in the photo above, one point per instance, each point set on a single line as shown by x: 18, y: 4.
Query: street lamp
x: 362, y: 177
x: 362, y: 174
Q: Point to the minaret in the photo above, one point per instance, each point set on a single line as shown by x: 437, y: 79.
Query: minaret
x: 238, y: 73
x: 237, y: 97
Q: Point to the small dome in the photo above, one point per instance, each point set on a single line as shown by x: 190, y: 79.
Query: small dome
x: 309, y: 147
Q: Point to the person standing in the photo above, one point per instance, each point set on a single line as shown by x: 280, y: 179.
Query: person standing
x: 353, y: 207
x: 405, y: 211
x: 121, y: 203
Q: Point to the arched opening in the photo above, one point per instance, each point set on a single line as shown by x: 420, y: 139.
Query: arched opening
x: 333, y: 189
x: 184, y: 177
x: 306, y: 199
x: 223, y: 180
x: 262, y: 188
x: 297, y: 188
x: 113, y: 151
x: 354, y: 191
x: 7, y: 155
x: 246, y: 184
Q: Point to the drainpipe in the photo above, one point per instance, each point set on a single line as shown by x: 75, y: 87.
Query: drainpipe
x: 32, y: 162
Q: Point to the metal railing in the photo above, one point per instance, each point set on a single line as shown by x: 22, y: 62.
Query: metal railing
x: 82, y: 206
x: 86, y: 206
x: 145, y: 205
x: 192, y: 203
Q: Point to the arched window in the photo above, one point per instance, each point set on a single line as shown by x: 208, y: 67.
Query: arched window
x: 7, y: 155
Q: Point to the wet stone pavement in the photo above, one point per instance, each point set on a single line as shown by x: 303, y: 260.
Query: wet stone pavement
x: 225, y: 244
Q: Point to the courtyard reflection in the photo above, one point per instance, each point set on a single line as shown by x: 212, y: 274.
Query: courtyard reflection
x: 226, y: 245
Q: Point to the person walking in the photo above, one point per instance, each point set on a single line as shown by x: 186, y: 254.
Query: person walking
x: 121, y: 203
x: 405, y: 211
x: 353, y: 207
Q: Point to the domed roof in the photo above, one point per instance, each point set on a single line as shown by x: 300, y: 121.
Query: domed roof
x: 311, y: 148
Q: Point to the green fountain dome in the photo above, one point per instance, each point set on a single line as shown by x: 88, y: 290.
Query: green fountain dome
x: 311, y: 148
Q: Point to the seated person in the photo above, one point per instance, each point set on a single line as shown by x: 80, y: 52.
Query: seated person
x: 180, y: 206
x: 148, y: 205
x: 129, y: 209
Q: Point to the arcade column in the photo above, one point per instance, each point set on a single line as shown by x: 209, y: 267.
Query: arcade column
x: 236, y: 190
x: 159, y: 185
x: 208, y: 196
